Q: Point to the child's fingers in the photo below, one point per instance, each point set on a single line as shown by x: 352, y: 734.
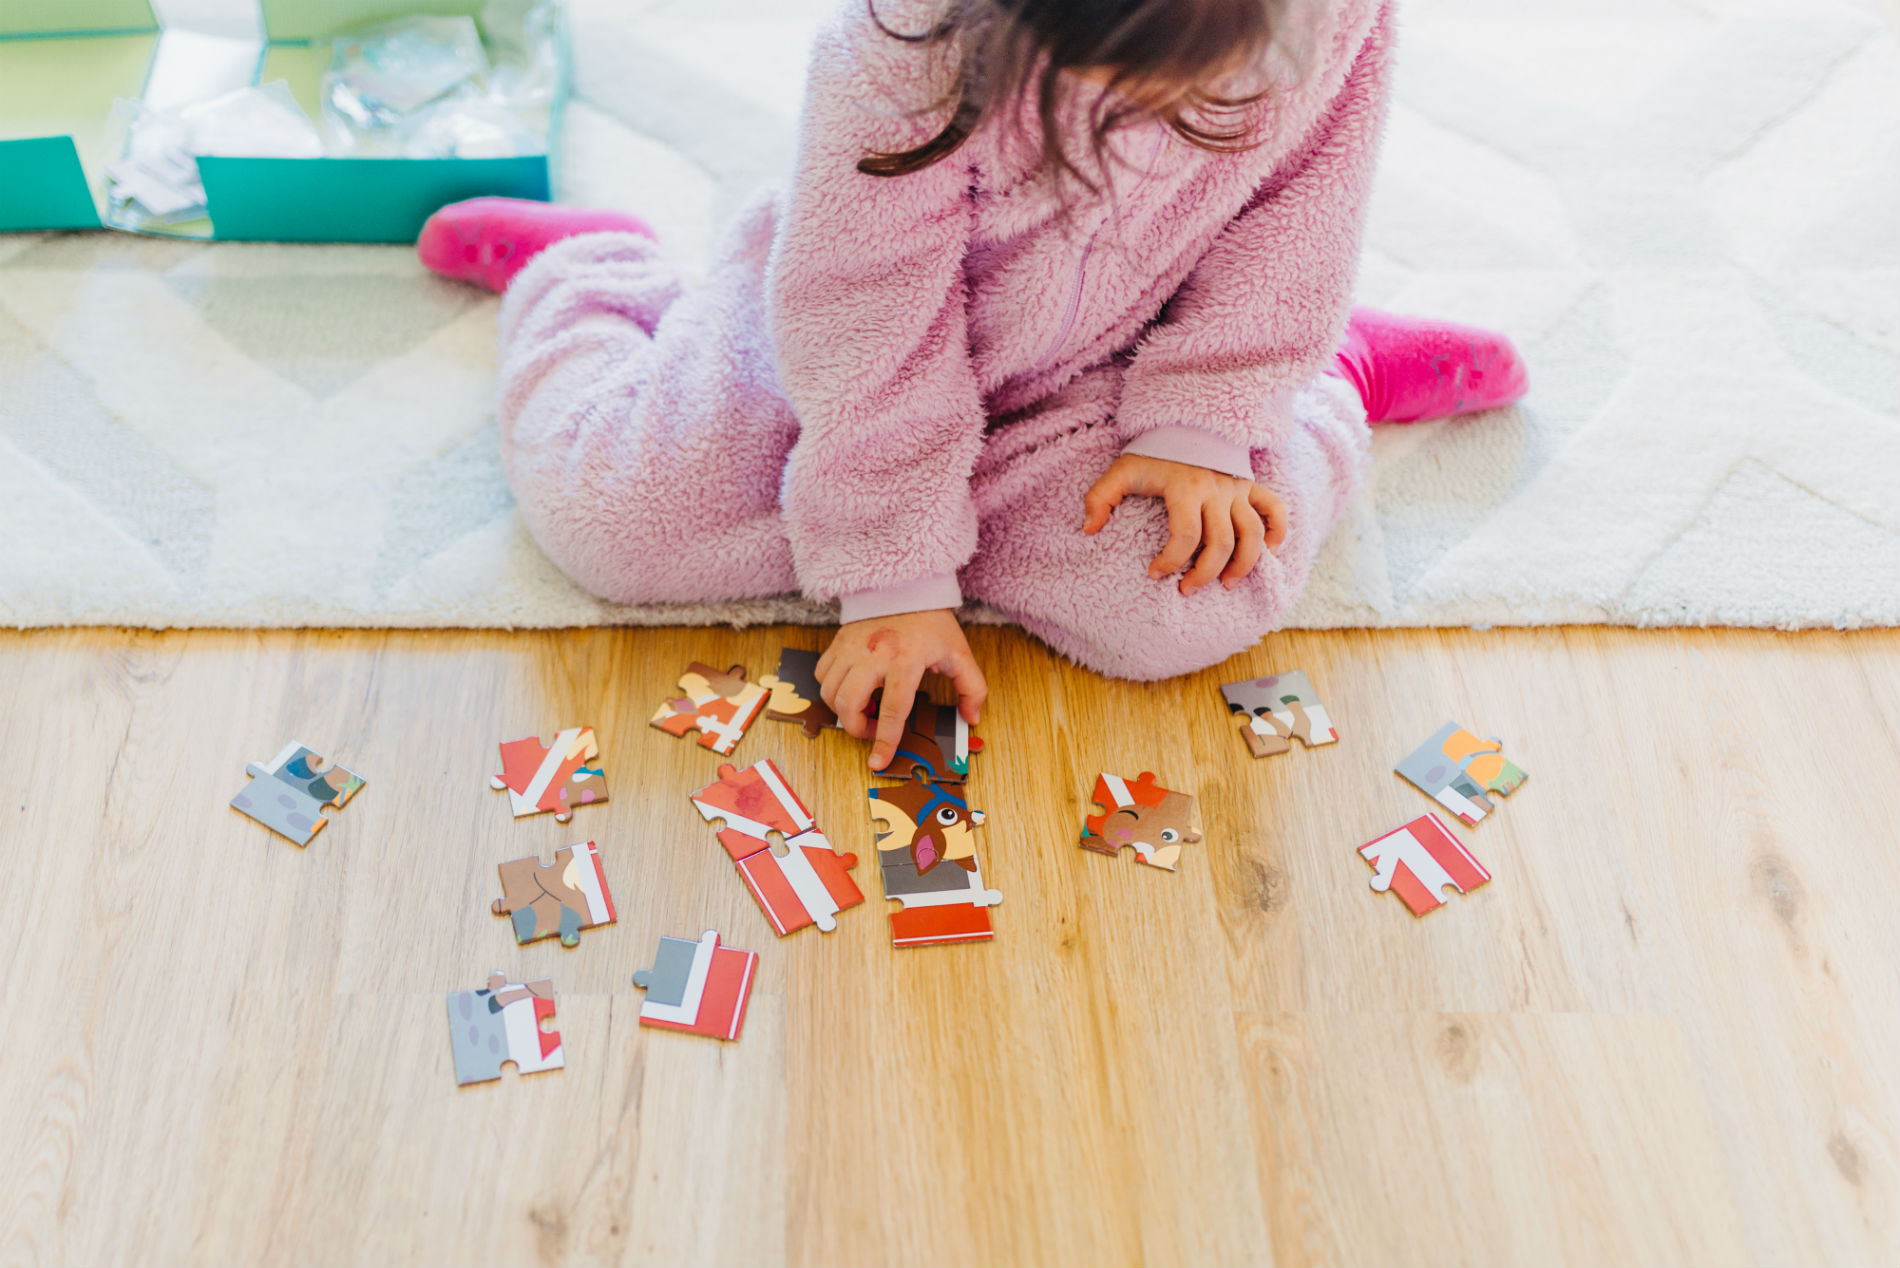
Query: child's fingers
x: 1272, y: 512
x: 1217, y: 546
x: 1102, y: 498
x: 893, y: 711
x: 967, y: 677
x: 1184, y: 534
x: 1250, y: 536
x: 852, y: 700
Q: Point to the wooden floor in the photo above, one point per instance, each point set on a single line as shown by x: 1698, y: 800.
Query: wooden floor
x: 1667, y: 1032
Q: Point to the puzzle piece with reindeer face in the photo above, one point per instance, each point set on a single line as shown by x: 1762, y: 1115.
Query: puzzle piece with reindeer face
x: 699, y: 987
x: 1155, y: 821
x: 1275, y: 710
x: 502, y: 1022
x: 720, y: 704
x: 556, y: 777
x: 288, y: 793
x: 1456, y: 769
x: 562, y: 899
x: 1419, y: 861
x: 808, y: 882
x: 926, y: 849
x: 795, y: 695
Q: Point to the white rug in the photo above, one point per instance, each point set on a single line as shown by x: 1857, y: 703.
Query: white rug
x: 1687, y: 214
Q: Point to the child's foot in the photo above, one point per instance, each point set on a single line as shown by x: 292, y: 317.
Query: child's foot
x: 489, y: 240
x: 1409, y: 368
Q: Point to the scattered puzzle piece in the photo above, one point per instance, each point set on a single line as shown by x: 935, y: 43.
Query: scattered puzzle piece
x: 720, y: 706
x: 811, y: 882
x: 564, y: 899
x: 502, y: 1023
x: 1455, y: 768
x: 541, y: 777
x: 288, y: 793
x: 1419, y: 860
x: 1154, y: 820
x: 918, y: 826
x: 1276, y: 710
x: 699, y: 987
x: 795, y: 695
x: 936, y: 741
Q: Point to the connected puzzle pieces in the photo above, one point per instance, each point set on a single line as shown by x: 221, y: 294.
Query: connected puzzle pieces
x: 936, y: 741
x: 563, y: 899
x: 1276, y: 710
x: 795, y: 695
x: 1419, y: 860
x: 926, y: 852
x: 1455, y: 768
x: 558, y: 777
x: 288, y: 793
x: 699, y: 987
x: 1156, y: 821
x: 810, y: 883
x: 502, y: 1022
x: 720, y: 705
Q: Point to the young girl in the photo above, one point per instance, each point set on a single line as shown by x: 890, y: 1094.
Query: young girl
x: 1053, y: 316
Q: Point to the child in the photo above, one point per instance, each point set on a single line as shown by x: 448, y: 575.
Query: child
x: 1051, y: 313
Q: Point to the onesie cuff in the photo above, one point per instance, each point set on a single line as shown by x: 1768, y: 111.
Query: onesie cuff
x: 1196, y: 447
x: 926, y: 594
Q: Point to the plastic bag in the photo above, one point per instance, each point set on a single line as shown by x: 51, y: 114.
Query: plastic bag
x: 156, y: 182
x: 377, y: 75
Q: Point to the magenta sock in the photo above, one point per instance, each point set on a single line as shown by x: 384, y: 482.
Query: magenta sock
x: 489, y: 240
x: 1411, y: 368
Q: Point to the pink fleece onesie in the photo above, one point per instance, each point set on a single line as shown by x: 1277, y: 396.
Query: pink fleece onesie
x: 894, y: 391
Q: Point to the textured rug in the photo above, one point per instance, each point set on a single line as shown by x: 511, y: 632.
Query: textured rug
x: 1688, y: 214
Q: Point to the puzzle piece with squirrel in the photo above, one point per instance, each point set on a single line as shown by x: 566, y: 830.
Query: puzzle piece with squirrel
x: 1417, y: 861
x: 558, y: 777
x: 288, y: 793
x: 795, y: 695
x: 936, y: 741
x: 502, y: 1022
x: 565, y: 898
x: 700, y: 987
x: 719, y: 704
x: 1274, y: 711
x: 1455, y: 769
x: 810, y: 883
x: 926, y: 851
x: 1156, y: 821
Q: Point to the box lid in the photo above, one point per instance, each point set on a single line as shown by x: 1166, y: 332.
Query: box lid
x: 75, y: 17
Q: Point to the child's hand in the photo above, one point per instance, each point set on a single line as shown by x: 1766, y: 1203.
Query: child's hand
x: 893, y: 652
x: 1231, y: 520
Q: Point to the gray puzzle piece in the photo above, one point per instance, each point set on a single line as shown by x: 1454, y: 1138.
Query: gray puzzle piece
x: 288, y: 794
x: 901, y: 877
x: 477, y: 1036
x: 665, y: 982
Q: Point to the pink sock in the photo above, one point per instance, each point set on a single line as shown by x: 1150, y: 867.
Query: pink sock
x: 1409, y: 368
x: 489, y: 240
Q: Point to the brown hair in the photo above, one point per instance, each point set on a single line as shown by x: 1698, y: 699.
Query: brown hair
x: 1162, y: 58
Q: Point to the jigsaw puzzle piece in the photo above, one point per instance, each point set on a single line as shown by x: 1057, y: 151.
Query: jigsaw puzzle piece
x: 500, y: 1023
x: 719, y: 704
x: 940, y: 904
x: 700, y: 987
x: 556, y: 777
x: 1276, y: 710
x: 288, y: 793
x: 930, y: 820
x: 1419, y: 861
x: 752, y: 803
x: 810, y: 882
x: 565, y: 898
x: 794, y: 692
x: 1156, y: 821
x: 937, y: 742
x: 1455, y: 768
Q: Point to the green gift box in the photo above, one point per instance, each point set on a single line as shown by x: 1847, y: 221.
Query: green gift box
x: 64, y: 62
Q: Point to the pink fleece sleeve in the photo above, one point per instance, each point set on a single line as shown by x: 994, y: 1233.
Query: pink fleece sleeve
x: 866, y: 304
x: 1263, y: 310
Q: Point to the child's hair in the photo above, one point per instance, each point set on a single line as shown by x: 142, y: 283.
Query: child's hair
x: 1162, y: 58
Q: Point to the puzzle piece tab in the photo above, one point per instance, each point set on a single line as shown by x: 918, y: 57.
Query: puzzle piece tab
x: 719, y: 705
x: 699, y: 987
x: 936, y: 741
x: 795, y: 695
x: 926, y: 855
x: 1455, y: 768
x: 811, y: 882
x: 1274, y: 711
x: 502, y: 1022
x: 564, y: 899
x: 288, y: 793
x: 1157, y: 822
x: 558, y: 777
x: 1419, y: 860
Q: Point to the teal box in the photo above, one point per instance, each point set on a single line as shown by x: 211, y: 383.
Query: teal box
x: 63, y: 63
